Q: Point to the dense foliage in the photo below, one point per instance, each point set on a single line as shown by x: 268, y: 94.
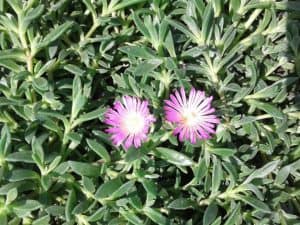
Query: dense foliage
x: 63, y: 62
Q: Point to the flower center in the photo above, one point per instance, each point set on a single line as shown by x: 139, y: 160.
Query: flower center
x: 133, y: 123
x: 190, y: 117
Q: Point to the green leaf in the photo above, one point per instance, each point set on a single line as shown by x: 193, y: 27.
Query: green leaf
x: 45, y: 220
x: 81, y: 207
x: 149, y: 186
x: 272, y: 90
x: 56, y: 211
x: 244, y: 120
x: 181, y: 204
x: 207, y: 22
x: 139, y: 51
x: 228, y: 38
x: 13, y: 54
x: 135, y: 201
x: 99, y: 149
x: 163, y: 30
x: 155, y: 216
x: 5, y: 141
x: 200, y: 170
x: 173, y: 156
x: 91, y: 8
x: 234, y: 216
x: 11, y: 65
x: 223, y: 152
x: 31, y: 15
x: 217, y: 175
x: 146, y: 67
x: 75, y: 139
x: 217, y: 6
x: 23, y: 208
x: 210, y: 214
x: 134, y: 154
x: 182, y: 28
x: 259, y: 205
x: 88, y: 184
x: 125, y: 188
x: 262, y: 172
x: 22, y: 174
x: 232, y: 170
x: 169, y: 44
x: 283, y: 174
x: 106, y: 189
x: 268, y: 108
x: 55, y: 34
x: 131, y: 217
x: 134, y: 86
x: 193, y: 26
x: 71, y: 201
x: 199, y: 5
x: 97, y: 113
x: 140, y: 25
x: 74, y: 69
x: 45, y: 68
x: 3, y: 218
x: 40, y: 84
x: 234, y: 5
x: 98, y: 214
x: 37, y: 151
x: 11, y: 195
x: 6, y: 187
x: 52, y: 125
x: 46, y: 181
x: 54, y: 163
x: 16, y: 5
x: 217, y: 221
x: 78, y: 100
x: 126, y: 3
x: 84, y: 169
x: 24, y: 156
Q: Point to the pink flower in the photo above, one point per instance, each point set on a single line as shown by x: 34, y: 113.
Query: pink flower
x: 129, y: 121
x: 193, y: 115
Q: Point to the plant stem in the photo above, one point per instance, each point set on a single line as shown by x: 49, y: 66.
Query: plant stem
x: 29, y: 62
x: 91, y: 30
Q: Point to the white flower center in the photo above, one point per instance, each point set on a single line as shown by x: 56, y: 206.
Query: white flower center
x: 133, y: 123
x: 190, y: 117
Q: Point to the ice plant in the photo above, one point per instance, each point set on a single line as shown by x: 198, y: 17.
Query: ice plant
x: 129, y: 122
x: 192, y: 115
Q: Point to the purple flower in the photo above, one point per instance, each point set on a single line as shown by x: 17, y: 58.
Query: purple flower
x: 193, y: 115
x: 129, y: 121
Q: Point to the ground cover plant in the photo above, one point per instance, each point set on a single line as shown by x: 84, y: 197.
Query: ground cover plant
x: 65, y: 67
